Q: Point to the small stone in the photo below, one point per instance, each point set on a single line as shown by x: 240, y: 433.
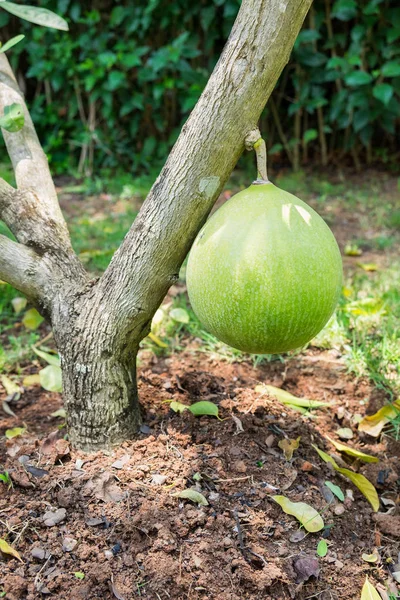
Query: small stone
x: 297, y: 536
x: 158, y: 479
x: 339, y: 510
x: 340, y: 412
x: 121, y: 462
x: 69, y: 544
x: 39, y: 553
x: 213, y: 497
x: 227, y: 542
x: 307, y: 466
x: 339, y: 564
x: 108, y: 554
x: 345, y: 433
x: 53, y: 517
x: 240, y: 466
x: 269, y: 442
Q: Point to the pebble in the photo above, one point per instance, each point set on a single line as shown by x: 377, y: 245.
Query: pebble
x: 158, y: 479
x: 53, y: 517
x: 108, y: 554
x: 339, y: 510
x: 240, y: 466
x: 39, y: 553
x: 69, y: 544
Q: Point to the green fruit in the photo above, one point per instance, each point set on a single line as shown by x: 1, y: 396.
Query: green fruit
x: 265, y: 272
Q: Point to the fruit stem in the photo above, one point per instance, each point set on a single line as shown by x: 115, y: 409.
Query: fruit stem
x: 260, y: 149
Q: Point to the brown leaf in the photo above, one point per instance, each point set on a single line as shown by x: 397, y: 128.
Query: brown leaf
x: 104, y: 488
x: 289, y: 446
x: 306, y: 567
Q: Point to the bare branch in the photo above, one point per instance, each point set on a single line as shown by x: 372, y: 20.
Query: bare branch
x: 19, y: 267
x: 202, y: 159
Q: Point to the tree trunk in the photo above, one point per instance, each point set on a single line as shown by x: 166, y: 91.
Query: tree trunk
x: 99, y: 324
x: 100, y: 396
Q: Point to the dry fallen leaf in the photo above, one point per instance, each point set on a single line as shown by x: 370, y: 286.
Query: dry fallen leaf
x: 7, y: 549
x: 371, y: 558
x: 10, y: 386
x: 369, y: 592
x: 373, y: 424
x: 104, y: 488
x: 365, y: 486
x: 306, y: 514
x: 289, y: 446
x: 192, y: 495
x: 353, y: 452
x: 306, y: 567
x: 287, y: 398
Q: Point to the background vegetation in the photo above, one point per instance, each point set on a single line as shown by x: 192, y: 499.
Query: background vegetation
x: 116, y: 89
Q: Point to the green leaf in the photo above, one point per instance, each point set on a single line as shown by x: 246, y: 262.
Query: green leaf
x: 344, y: 10
x: 287, y: 398
x: 322, y: 548
x: 33, y: 14
x: 59, y: 413
x: 203, y: 408
x: 178, y: 407
x: 335, y: 489
x: 383, y: 92
x: 13, y: 119
x: 180, y: 315
x: 32, y: 319
x: 364, y: 485
x: 7, y: 549
x: 368, y: 591
x: 79, y: 575
x: 370, y: 558
x: 309, y: 135
x: 361, y: 482
x: 15, y: 432
x: 193, y: 496
x: 18, y: 304
x: 306, y: 514
x: 51, y: 378
x: 391, y: 69
x: 357, y: 78
x: 154, y: 338
x: 51, y: 359
x: 15, y: 40
x: 353, y: 452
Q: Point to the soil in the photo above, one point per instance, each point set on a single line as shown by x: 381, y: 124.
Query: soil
x: 110, y: 525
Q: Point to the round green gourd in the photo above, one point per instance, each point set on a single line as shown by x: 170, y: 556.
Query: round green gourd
x: 265, y: 272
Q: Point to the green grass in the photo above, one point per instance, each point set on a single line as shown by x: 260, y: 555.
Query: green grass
x: 95, y: 241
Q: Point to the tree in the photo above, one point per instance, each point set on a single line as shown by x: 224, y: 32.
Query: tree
x: 99, y: 323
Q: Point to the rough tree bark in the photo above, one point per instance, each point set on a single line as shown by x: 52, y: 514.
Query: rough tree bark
x: 98, y: 324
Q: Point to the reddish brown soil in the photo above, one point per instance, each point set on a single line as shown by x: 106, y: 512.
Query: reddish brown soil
x: 132, y: 538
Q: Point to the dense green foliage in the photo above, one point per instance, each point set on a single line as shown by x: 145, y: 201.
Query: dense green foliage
x: 116, y: 89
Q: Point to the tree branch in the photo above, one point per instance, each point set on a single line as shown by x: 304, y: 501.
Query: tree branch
x: 206, y: 152
x: 32, y: 211
x: 19, y: 267
x: 28, y: 159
